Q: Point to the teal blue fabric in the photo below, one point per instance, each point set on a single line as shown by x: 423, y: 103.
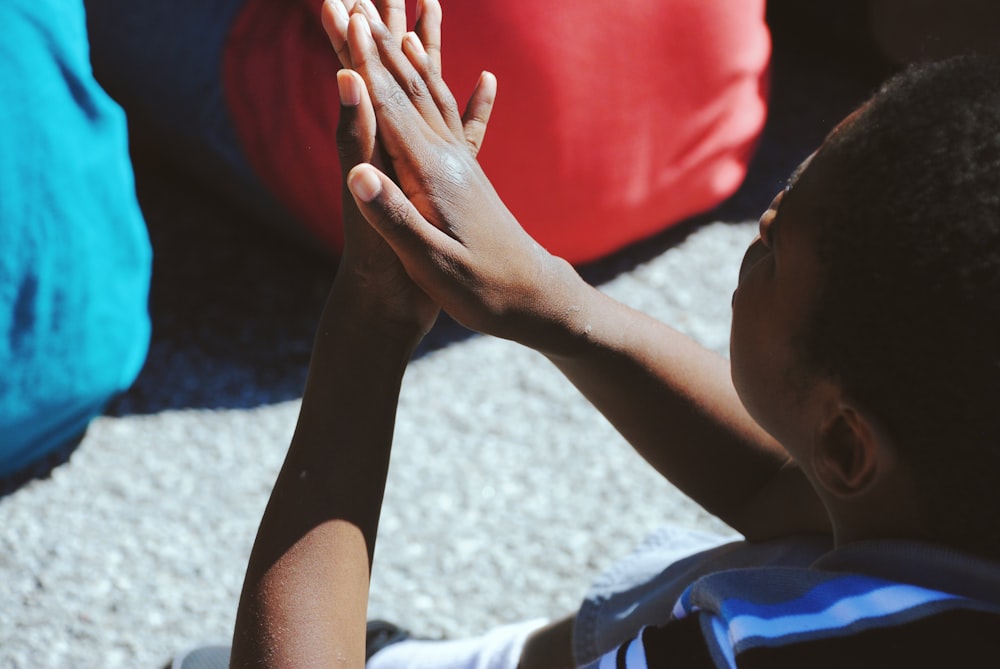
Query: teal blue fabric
x: 75, y: 258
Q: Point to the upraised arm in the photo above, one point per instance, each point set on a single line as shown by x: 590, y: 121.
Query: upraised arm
x: 671, y: 398
x: 305, y: 594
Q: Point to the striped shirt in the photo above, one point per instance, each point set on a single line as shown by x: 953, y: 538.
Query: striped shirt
x: 823, y: 616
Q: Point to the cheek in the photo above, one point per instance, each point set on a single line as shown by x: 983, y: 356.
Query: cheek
x: 749, y: 310
x: 757, y: 354
x: 755, y: 253
x: 741, y: 349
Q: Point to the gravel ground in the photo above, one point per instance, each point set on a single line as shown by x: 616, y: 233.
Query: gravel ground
x: 507, y: 492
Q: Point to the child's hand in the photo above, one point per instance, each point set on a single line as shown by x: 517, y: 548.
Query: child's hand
x: 368, y: 265
x: 367, y: 261
x: 447, y: 225
x: 367, y: 258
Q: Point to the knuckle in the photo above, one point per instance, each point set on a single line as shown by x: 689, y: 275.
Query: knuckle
x: 414, y: 86
x: 349, y: 140
x: 388, y: 98
x: 395, y: 213
x: 473, y: 141
x: 474, y: 125
x: 448, y: 103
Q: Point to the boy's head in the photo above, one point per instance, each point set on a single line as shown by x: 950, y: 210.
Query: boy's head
x: 904, y: 316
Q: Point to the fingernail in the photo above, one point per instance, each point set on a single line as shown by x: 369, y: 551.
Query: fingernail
x: 414, y: 42
x: 364, y: 183
x: 347, y: 84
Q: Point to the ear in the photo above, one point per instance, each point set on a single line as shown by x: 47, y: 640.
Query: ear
x: 851, y: 451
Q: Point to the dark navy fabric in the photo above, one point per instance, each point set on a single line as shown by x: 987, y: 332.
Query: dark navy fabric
x: 163, y: 62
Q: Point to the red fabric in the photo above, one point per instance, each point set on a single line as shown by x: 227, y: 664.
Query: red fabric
x: 613, y: 120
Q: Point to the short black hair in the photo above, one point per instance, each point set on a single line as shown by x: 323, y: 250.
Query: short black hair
x: 908, y: 314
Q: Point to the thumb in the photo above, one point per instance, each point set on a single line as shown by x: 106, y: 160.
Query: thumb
x: 416, y: 241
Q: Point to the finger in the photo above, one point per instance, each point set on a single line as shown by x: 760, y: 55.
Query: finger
x: 428, y: 29
x: 396, y: 62
x: 428, y: 34
x: 477, y: 112
x: 403, y: 111
x: 439, y: 91
x: 334, y: 17
x: 420, y: 246
x: 356, y: 127
x: 393, y: 15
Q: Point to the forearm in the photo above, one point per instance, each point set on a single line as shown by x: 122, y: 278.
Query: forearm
x: 305, y: 595
x: 674, y: 401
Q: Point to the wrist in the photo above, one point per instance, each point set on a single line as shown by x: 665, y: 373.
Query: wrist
x: 559, y: 312
x: 351, y: 304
